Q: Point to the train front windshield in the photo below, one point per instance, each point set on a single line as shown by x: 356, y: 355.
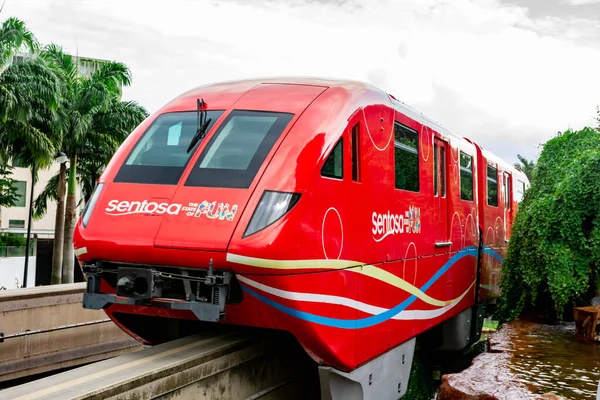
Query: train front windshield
x: 238, y: 148
x: 161, y: 155
x: 231, y: 158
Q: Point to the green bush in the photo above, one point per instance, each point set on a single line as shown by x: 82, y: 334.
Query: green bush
x: 12, y: 240
x: 554, y: 252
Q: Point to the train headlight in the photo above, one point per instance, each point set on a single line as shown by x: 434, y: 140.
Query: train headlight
x: 271, y: 207
x: 90, y: 206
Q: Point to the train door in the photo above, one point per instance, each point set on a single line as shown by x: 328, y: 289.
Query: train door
x: 507, y: 190
x: 440, y: 197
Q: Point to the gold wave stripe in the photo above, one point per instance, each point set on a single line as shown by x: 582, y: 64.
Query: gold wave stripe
x: 354, y: 266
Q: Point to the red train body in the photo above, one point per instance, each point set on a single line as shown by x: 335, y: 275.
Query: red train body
x: 325, y: 208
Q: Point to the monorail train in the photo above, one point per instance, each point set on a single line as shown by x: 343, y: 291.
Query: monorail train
x: 325, y: 208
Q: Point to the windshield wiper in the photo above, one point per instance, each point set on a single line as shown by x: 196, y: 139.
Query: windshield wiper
x: 202, y: 124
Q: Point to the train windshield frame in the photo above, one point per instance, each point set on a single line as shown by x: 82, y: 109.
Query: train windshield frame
x: 238, y: 148
x: 160, y: 155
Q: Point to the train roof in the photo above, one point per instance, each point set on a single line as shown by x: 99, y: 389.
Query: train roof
x: 352, y: 86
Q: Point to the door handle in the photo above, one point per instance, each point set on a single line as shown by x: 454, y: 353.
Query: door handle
x: 443, y: 244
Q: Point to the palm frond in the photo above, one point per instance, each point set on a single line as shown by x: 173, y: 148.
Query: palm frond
x: 120, y: 119
x: 15, y: 36
x: 27, y: 142
x: 112, y: 75
x: 62, y: 63
x: 30, y: 80
x: 8, y: 190
x: 50, y: 192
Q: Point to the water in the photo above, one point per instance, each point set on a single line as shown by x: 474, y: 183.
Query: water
x: 551, y: 359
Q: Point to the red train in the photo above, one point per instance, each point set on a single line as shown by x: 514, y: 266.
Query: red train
x: 325, y: 208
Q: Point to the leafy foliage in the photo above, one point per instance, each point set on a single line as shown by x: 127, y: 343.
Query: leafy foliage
x: 14, y: 36
x: 8, y: 191
x: 12, y: 239
x: 525, y: 165
x: 29, y: 95
x: 47, y: 105
x: 554, y: 256
x: 93, y: 120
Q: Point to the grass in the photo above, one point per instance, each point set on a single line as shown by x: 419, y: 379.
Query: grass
x: 489, y: 324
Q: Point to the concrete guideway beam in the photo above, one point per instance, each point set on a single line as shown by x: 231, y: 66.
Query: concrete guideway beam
x: 201, y: 366
x: 45, y: 328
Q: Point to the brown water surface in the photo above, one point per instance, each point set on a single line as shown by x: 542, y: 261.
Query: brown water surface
x: 551, y: 359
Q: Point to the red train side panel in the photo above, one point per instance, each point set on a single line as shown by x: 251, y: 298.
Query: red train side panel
x: 324, y: 208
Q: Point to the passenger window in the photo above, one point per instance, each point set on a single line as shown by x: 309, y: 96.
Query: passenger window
x: 435, y: 169
x: 466, y: 177
x: 334, y: 165
x: 355, y: 154
x: 406, y: 158
x: 507, y: 193
x: 443, y: 170
x: 492, y: 186
x: 519, y: 191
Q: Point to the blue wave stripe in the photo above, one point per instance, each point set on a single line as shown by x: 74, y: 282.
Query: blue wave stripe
x: 374, y: 319
x: 489, y: 251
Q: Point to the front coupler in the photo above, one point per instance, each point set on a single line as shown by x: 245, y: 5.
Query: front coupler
x: 144, y: 287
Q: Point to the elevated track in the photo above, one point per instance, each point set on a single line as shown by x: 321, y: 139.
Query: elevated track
x: 225, y: 365
x: 45, y: 328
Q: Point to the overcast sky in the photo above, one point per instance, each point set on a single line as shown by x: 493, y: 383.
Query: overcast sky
x: 508, y: 73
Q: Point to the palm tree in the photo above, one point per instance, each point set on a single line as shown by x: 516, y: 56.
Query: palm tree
x: 93, y: 119
x: 29, y: 94
x: 14, y: 35
x: 111, y: 128
x: 20, y: 84
x: 526, y: 166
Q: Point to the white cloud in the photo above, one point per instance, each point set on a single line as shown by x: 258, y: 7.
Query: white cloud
x: 581, y: 2
x: 479, y: 68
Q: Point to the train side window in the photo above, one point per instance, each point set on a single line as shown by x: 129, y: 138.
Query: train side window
x: 507, y: 192
x: 435, y: 169
x: 466, y: 177
x: 443, y: 171
x: 355, y: 154
x: 406, y: 158
x: 492, y: 186
x: 334, y: 165
x: 519, y: 191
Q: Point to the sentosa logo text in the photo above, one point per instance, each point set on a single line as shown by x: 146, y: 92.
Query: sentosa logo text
x: 115, y: 207
x: 388, y: 224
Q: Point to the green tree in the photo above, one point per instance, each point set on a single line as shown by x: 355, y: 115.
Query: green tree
x: 15, y: 36
x: 29, y: 94
x: 93, y: 121
x: 528, y: 167
x: 553, y: 258
x: 115, y: 126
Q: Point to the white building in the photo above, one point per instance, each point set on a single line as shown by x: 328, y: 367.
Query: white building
x: 14, y: 219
